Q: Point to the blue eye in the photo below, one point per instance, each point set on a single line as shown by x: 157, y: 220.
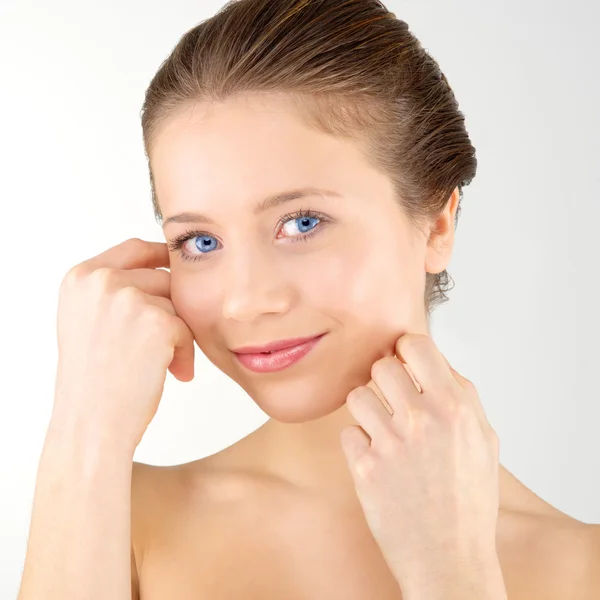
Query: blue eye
x: 305, y: 220
x: 301, y: 223
x: 203, y: 243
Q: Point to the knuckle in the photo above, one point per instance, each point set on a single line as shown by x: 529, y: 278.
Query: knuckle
x: 365, y: 466
x: 425, y: 419
x: 493, y: 437
x: 103, y: 278
x: 357, y: 397
x: 463, y: 410
x: 136, y: 247
x: 390, y: 443
x: 156, y: 318
x: 447, y: 385
x: 128, y: 298
x: 469, y: 385
x: 134, y: 242
x: 72, y: 277
x: 456, y: 411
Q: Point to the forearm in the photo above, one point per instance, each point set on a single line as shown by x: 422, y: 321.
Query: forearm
x: 80, y: 537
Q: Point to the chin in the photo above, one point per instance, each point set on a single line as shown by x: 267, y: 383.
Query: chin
x: 296, y: 409
x: 299, y: 416
x: 306, y: 396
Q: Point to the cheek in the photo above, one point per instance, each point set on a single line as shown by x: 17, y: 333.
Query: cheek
x: 370, y: 281
x: 195, y: 300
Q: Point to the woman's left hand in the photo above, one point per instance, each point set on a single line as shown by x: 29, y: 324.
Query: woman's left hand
x: 426, y: 476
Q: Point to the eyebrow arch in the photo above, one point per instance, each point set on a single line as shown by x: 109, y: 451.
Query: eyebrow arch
x: 262, y: 206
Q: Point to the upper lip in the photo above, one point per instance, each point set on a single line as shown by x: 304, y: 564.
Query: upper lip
x: 277, y: 345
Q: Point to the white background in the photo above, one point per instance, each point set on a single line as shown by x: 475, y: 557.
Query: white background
x: 522, y: 322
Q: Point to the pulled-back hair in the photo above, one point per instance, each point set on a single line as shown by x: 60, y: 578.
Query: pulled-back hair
x: 353, y: 70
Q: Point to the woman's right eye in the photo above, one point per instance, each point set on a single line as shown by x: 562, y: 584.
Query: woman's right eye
x: 177, y: 244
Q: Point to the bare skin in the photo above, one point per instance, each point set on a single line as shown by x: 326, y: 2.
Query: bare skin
x: 275, y: 515
x: 223, y: 527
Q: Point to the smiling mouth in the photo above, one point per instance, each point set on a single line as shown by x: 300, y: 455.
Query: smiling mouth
x: 274, y: 347
x: 277, y: 360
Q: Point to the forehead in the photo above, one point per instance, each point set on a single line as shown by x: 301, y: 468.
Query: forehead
x: 250, y: 146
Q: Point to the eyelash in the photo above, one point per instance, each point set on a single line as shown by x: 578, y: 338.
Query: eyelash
x: 177, y: 242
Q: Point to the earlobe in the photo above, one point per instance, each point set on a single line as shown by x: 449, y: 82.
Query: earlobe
x: 441, y: 239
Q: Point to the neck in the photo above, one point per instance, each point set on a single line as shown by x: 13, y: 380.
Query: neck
x: 309, y: 456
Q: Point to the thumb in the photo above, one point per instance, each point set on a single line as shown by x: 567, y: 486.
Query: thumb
x: 182, y: 365
x: 355, y: 446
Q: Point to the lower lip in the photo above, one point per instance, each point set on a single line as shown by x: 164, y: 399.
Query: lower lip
x: 276, y: 361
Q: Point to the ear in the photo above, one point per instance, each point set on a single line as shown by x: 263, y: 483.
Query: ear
x: 441, y: 237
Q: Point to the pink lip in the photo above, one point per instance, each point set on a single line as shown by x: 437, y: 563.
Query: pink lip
x: 278, y: 360
x: 272, y: 346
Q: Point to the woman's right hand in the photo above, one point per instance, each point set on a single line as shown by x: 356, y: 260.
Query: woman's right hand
x: 117, y: 334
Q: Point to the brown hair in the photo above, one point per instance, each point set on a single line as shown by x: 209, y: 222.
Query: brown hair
x: 354, y: 70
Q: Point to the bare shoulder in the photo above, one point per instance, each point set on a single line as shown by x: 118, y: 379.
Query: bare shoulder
x: 587, y: 561
x: 157, y: 495
x: 163, y: 496
x: 145, y: 504
x: 551, y: 556
x: 186, y: 510
x: 157, y: 492
x: 573, y: 551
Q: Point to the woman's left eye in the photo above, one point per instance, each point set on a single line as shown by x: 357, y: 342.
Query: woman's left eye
x: 304, y: 223
x: 304, y: 220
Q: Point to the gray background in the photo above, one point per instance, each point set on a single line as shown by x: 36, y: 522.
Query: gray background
x: 522, y: 321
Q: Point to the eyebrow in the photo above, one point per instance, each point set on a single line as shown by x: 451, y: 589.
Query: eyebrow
x: 262, y: 206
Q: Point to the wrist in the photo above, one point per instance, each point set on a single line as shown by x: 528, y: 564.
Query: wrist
x: 477, y: 578
x: 86, y: 440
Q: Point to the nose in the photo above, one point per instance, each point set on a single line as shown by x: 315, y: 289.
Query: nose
x: 255, y: 285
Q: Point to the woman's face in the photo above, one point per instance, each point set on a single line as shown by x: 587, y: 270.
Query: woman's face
x: 354, y: 268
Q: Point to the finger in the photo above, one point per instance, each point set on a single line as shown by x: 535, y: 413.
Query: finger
x: 467, y: 385
x: 426, y: 363
x: 397, y: 387
x: 371, y: 384
x: 159, y: 301
x: 355, y: 446
x: 155, y: 282
x: 182, y: 365
x: 133, y: 253
x: 367, y: 409
x: 459, y: 378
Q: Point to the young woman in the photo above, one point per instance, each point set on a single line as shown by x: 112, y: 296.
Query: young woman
x: 307, y: 161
